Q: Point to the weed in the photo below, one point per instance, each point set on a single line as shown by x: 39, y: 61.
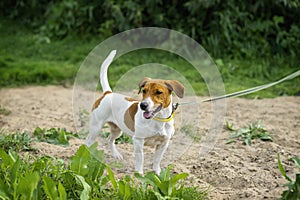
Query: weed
x: 229, y: 126
x: 54, y: 135
x: 4, y: 111
x: 252, y: 131
x: 293, y: 191
x: 16, y: 141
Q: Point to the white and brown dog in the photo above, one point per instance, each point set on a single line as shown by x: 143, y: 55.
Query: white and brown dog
x: 149, y: 122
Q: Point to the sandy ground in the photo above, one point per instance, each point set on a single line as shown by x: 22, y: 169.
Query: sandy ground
x: 232, y: 171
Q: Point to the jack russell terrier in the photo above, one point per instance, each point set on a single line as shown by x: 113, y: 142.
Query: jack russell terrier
x: 149, y: 122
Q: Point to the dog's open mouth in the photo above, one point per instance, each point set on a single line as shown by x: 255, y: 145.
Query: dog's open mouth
x: 150, y: 114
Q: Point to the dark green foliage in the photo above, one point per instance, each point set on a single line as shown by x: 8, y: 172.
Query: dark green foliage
x: 16, y: 141
x: 53, y: 135
x: 240, y: 29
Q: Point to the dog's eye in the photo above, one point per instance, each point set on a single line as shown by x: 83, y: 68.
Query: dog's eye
x: 158, y: 92
x: 144, y: 91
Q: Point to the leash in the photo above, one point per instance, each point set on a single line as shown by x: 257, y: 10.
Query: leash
x: 247, y: 91
x: 254, y: 89
x: 234, y: 94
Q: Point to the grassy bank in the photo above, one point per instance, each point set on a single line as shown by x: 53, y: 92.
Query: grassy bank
x: 27, y: 58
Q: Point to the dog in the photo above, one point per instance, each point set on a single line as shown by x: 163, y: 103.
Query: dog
x: 148, y: 122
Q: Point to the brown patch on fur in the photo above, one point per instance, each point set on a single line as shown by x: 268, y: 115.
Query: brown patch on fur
x: 160, y: 90
x: 130, y: 99
x: 113, y: 127
x: 176, y: 86
x: 98, y: 101
x: 129, y: 116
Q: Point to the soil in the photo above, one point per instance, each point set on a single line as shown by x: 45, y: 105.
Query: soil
x: 230, y: 171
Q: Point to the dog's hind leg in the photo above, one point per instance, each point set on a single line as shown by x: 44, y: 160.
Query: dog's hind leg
x: 94, y: 130
x: 115, y: 133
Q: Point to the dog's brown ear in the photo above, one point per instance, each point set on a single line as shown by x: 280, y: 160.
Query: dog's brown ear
x: 175, y: 86
x: 143, y: 82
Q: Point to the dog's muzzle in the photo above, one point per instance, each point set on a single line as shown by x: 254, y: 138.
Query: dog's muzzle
x: 149, y: 114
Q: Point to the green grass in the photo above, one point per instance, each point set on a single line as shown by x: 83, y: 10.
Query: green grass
x: 27, y: 58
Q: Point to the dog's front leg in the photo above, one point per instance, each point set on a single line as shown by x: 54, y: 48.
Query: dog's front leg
x: 160, y: 150
x: 138, y: 144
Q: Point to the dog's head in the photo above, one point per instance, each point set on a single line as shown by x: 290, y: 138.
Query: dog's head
x: 157, y: 94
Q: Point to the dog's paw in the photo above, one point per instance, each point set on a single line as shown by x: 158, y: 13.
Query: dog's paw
x: 117, y: 155
x: 157, y: 170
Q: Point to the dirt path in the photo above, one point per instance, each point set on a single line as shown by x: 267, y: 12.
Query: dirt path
x: 234, y: 171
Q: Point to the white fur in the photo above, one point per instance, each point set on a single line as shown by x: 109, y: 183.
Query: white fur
x: 113, y: 108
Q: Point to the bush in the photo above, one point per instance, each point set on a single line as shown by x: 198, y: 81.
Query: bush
x: 240, y: 29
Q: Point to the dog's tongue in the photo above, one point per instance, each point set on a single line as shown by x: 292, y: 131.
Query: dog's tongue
x: 147, y: 115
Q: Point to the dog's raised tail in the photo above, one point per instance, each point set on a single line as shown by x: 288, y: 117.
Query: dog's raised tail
x: 103, y: 72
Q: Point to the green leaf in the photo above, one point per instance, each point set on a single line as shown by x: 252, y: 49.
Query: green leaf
x: 86, y: 187
x: 4, y: 191
x: 165, y: 188
x: 230, y: 141
x: 156, y: 180
x: 229, y: 126
x: 127, y: 190
x: 112, y: 177
x: 266, y: 137
x: 145, y: 180
x: 50, y: 188
x: 296, y: 161
x: 79, y: 162
x: 98, y: 155
x: 62, y: 138
x: 281, y: 169
x: 5, y: 158
x: 121, y: 189
x: 165, y: 174
x: 15, y: 173
x: 247, y: 141
x: 297, y: 185
x: 62, y: 192
x: 37, y: 131
x: 28, y: 184
x: 242, y: 131
x: 13, y: 155
x: 178, y: 177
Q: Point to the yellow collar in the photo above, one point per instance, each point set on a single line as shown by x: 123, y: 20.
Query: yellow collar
x: 165, y: 119
x: 174, y: 107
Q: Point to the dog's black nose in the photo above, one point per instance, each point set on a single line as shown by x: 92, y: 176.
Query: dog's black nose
x: 143, y: 105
